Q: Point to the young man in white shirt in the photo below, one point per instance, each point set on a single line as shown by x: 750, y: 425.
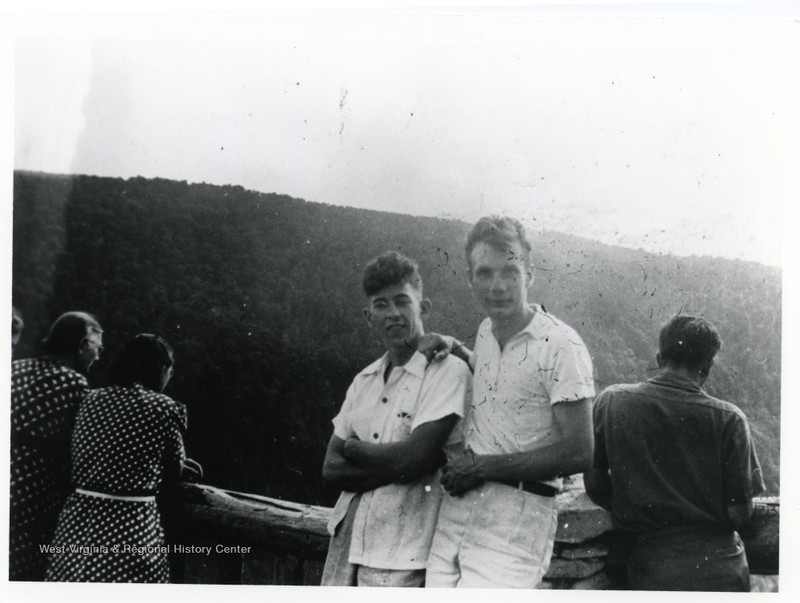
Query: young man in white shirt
x: 528, y: 424
x: 388, y: 440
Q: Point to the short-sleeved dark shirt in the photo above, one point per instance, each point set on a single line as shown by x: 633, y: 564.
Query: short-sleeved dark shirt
x: 676, y: 455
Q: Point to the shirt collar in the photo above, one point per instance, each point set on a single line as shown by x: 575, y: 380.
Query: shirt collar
x: 416, y: 365
x: 539, y: 324
x: 674, y: 379
x: 536, y: 327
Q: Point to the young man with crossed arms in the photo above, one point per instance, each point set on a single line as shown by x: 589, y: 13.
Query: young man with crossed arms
x: 388, y: 439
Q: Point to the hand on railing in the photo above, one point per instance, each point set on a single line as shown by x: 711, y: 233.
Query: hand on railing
x: 191, y: 471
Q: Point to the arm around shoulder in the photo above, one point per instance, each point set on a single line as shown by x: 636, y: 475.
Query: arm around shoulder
x: 437, y: 347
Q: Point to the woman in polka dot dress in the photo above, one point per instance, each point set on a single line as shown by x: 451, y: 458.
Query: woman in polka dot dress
x: 45, y: 395
x: 127, y: 442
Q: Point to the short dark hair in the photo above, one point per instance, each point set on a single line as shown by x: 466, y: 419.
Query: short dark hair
x: 67, y: 333
x: 390, y: 268
x: 688, y: 341
x: 499, y: 232
x: 142, y: 361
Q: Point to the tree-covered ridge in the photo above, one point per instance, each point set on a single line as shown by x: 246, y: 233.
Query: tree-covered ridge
x: 260, y: 296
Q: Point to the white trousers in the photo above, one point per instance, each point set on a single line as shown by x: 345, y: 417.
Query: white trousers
x: 494, y: 536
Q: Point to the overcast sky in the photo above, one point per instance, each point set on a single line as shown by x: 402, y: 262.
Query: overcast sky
x: 666, y: 134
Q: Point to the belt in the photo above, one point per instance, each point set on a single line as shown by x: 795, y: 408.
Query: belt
x: 532, y: 487
x: 147, y: 498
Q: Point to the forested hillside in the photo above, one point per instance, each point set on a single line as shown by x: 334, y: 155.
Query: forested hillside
x: 260, y: 296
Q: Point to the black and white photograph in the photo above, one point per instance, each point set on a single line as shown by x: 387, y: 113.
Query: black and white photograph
x: 432, y: 296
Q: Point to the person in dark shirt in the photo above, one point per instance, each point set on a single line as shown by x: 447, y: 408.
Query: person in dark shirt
x: 677, y: 469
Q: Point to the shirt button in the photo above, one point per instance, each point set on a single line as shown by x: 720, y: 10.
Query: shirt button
x: 375, y: 435
x: 384, y: 400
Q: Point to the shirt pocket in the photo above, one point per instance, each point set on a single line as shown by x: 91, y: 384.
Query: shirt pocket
x: 403, y: 422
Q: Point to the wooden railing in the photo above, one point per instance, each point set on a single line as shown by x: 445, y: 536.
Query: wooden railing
x: 224, y: 537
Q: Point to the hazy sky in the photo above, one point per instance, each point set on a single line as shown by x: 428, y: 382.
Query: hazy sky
x: 667, y: 134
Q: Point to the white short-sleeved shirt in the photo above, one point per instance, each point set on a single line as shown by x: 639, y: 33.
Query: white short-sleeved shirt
x: 394, y: 524
x: 514, y: 389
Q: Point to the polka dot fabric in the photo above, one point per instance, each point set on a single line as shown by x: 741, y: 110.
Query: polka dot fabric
x: 108, y: 541
x: 127, y: 442
x: 45, y: 396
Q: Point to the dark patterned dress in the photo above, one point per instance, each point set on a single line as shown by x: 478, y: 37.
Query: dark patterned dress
x: 127, y: 442
x: 45, y: 396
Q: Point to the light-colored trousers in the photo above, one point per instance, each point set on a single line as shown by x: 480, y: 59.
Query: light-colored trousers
x: 339, y: 571
x: 495, y: 536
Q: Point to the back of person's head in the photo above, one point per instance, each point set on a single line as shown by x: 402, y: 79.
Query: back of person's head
x: 688, y: 341
x: 68, y: 332
x: 142, y: 361
x: 499, y: 232
x: 390, y: 268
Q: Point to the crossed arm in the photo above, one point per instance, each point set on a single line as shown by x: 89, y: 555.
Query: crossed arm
x: 357, y: 466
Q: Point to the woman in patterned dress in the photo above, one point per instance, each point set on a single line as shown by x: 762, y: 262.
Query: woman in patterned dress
x: 127, y: 444
x: 45, y: 395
